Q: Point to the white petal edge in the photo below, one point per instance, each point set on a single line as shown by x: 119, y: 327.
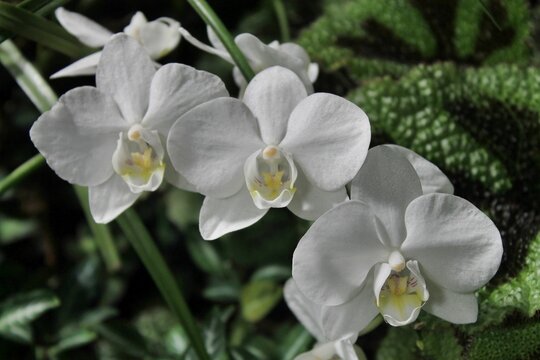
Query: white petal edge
x: 110, y: 199
x: 310, y: 202
x: 271, y: 96
x: 334, y: 257
x: 160, y: 37
x: 431, y: 177
x: 353, y: 316
x: 210, y: 144
x: 454, y: 307
x: 387, y: 182
x: 176, y: 89
x: 306, y: 311
x: 456, y: 244
x: 125, y: 72
x: 329, y: 138
x: 87, y: 31
x: 78, y: 136
x: 85, y: 66
x: 222, y: 216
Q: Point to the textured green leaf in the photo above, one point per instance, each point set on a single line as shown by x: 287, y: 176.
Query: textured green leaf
x: 369, y: 38
x: 507, y: 343
x: 414, y: 112
x: 400, y: 343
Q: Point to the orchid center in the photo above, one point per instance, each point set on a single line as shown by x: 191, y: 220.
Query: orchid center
x: 270, y: 174
x: 138, y: 159
x: 402, y: 295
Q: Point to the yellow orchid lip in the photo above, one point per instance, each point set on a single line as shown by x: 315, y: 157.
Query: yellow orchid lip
x: 270, y: 175
x: 138, y: 159
x: 402, y: 295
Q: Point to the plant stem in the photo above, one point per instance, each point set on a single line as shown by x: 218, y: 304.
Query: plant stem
x: 28, y: 78
x: 209, y: 16
x: 283, y: 24
x: 102, y: 234
x: 145, y: 247
x: 20, y: 173
x: 43, y: 97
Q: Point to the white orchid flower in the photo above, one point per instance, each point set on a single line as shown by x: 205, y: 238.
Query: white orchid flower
x: 394, y: 249
x: 261, y: 56
x: 330, y: 346
x: 158, y: 38
x: 112, y: 138
x: 276, y: 148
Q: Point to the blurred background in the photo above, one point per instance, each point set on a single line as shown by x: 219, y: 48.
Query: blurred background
x: 456, y: 81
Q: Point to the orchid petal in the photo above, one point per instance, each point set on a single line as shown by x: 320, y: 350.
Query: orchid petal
x: 333, y: 259
x: 451, y: 306
x: 262, y: 56
x: 388, y: 183
x: 295, y: 50
x: 85, y: 66
x: 305, y: 310
x: 87, y: 31
x: 431, y: 177
x: 209, y: 145
x: 271, y: 96
x: 175, y: 89
x: 313, y: 72
x: 352, y: 316
x: 403, y: 296
x: 214, y: 39
x: 222, y: 216
x: 138, y: 20
x: 78, y: 136
x: 174, y: 178
x: 125, y: 72
x: 457, y: 245
x: 110, y: 199
x: 159, y: 38
x: 329, y: 138
x: 310, y: 202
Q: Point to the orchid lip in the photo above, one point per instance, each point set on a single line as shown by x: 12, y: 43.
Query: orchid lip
x: 138, y: 159
x: 402, y: 295
x: 270, y: 175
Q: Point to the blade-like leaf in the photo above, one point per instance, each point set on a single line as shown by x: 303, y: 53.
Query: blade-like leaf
x: 17, y: 312
x: 17, y: 21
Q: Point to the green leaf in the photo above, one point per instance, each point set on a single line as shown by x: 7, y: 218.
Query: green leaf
x: 399, y: 343
x: 272, y: 272
x: 15, y: 20
x: 74, y: 340
x: 258, y: 298
x: 126, y: 339
x: 507, y: 343
x: 222, y: 291
x: 28, y: 78
x: 204, y: 254
x: 296, y: 341
x: 17, y: 312
x: 39, y: 7
x: 183, y: 207
x: 14, y: 229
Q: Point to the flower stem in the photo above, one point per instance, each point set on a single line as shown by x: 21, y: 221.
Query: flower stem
x: 145, y: 247
x: 43, y: 97
x: 209, y: 16
x: 20, y: 173
x: 283, y: 24
x: 102, y: 234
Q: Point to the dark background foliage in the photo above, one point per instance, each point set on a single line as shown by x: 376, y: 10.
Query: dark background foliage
x: 456, y: 81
